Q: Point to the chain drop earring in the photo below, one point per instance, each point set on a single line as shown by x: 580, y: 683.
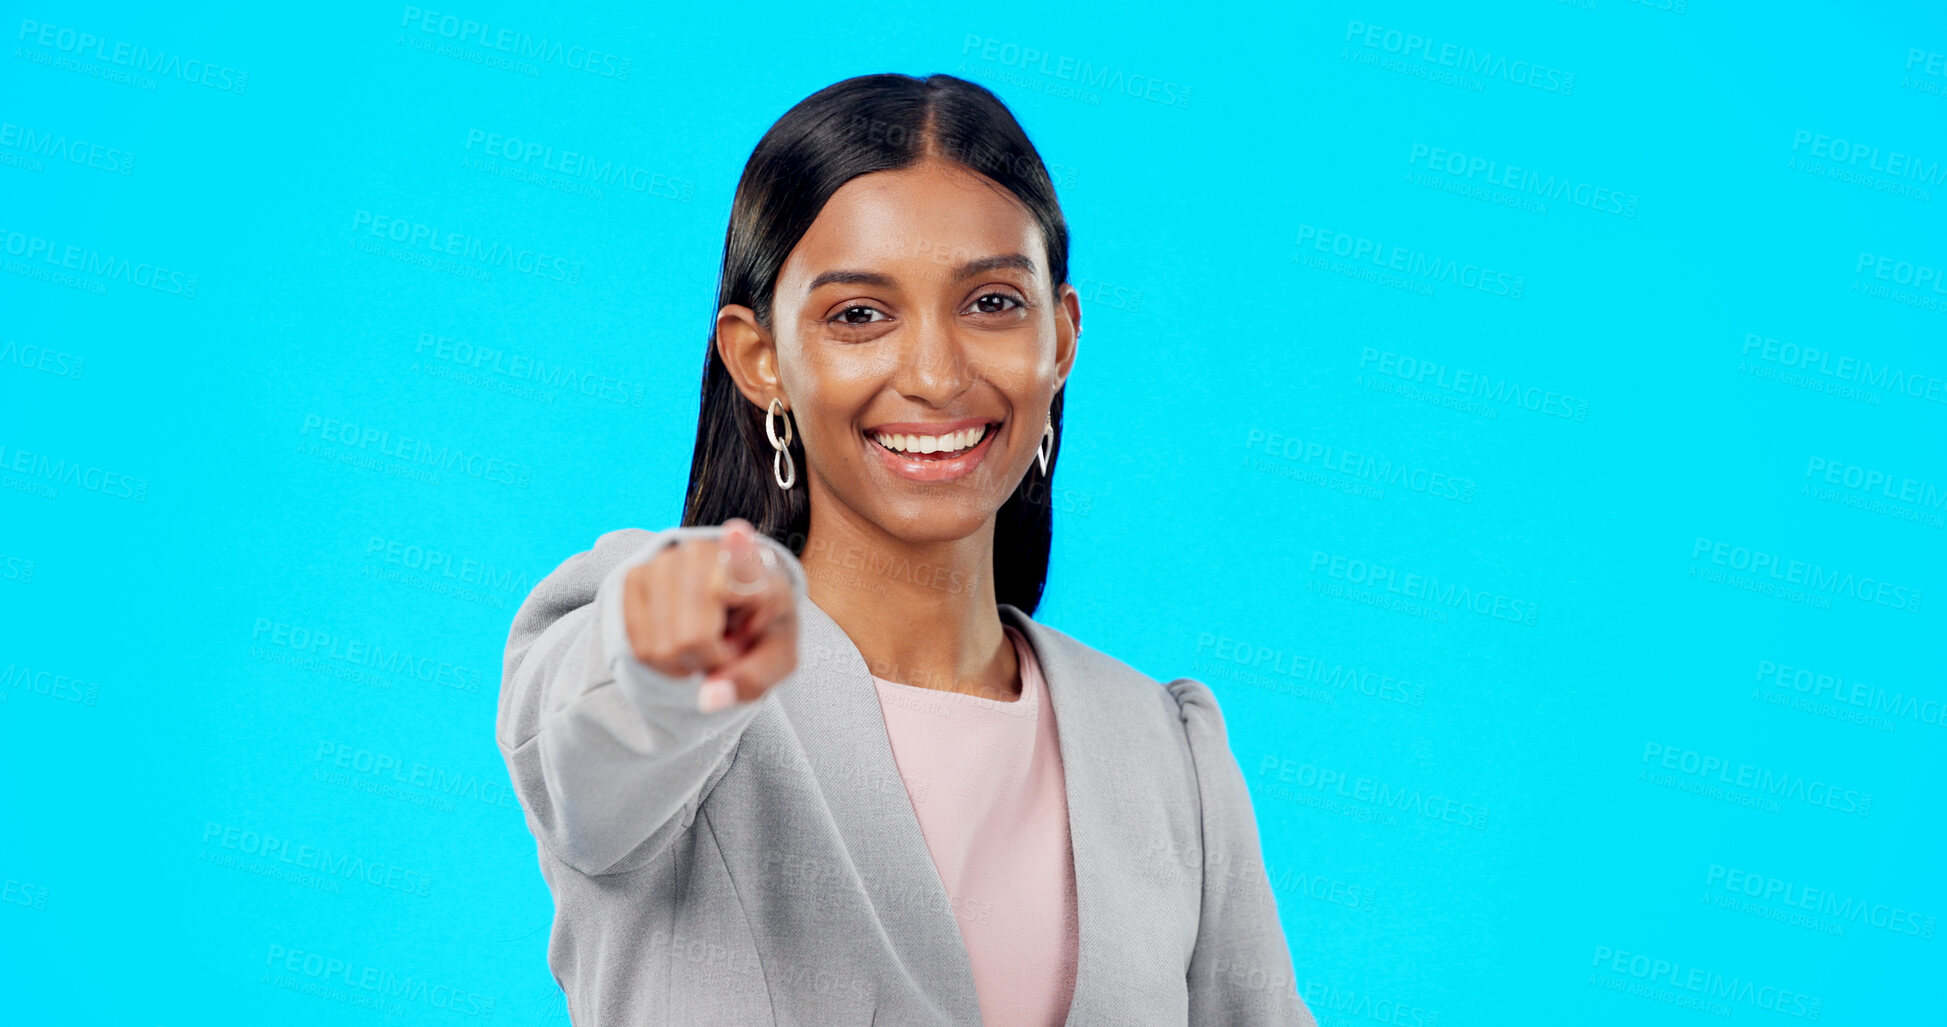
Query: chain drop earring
x: 1045, y: 449
x: 784, y: 469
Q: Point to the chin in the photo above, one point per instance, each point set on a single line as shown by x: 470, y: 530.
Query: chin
x: 937, y: 520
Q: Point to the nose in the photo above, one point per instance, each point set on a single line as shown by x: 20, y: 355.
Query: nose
x: 934, y: 367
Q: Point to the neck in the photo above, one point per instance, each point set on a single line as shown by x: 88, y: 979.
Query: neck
x: 921, y: 613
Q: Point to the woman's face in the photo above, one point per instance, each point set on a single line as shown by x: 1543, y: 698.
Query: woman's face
x: 916, y: 314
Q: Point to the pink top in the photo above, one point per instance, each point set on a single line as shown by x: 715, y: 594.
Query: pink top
x: 985, y: 779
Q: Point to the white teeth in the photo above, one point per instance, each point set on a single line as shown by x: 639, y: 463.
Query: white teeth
x: 951, y: 442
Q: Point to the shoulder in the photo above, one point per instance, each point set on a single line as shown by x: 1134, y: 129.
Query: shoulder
x: 1202, y: 718
x: 1163, y: 740
x: 1186, y: 704
x: 1066, y: 653
x: 1208, y: 742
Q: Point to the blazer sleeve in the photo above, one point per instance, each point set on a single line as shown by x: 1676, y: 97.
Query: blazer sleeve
x: 1240, y: 971
x: 609, y: 758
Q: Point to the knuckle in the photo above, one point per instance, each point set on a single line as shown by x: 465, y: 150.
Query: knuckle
x: 688, y: 648
x: 656, y: 654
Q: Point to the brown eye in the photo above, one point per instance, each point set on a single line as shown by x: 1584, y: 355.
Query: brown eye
x: 986, y: 304
x: 858, y: 315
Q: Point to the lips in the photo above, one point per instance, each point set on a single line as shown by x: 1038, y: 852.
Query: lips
x: 936, y: 466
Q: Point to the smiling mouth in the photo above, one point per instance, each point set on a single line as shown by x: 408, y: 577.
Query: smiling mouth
x: 932, y: 447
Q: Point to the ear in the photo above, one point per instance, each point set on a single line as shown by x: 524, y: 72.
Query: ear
x: 1068, y: 330
x: 749, y: 354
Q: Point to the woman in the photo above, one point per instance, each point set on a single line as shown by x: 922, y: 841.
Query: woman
x: 806, y: 758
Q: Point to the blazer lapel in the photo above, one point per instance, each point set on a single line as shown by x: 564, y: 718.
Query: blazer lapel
x: 835, y: 710
x: 1078, y: 725
x: 842, y: 728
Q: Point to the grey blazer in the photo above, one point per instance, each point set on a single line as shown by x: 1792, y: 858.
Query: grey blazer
x: 763, y: 864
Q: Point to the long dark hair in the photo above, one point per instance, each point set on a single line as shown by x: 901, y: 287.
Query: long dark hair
x: 864, y: 124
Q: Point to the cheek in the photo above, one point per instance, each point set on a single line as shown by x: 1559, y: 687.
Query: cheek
x: 827, y: 402
x: 824, y: 427
x: 828, y: 373
x: 1020, y: 374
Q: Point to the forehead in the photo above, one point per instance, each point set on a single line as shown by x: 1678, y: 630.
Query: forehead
x: 933, y: 213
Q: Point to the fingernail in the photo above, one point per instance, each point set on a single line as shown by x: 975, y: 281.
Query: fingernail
x: 716, y: 694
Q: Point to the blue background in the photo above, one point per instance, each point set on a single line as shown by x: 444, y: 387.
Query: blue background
x: 1470, y: 818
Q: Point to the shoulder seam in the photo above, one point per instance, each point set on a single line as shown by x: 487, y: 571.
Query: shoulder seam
x: 1176, y: 688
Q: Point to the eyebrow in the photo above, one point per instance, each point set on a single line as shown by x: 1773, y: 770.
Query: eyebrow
x: 969, y: 269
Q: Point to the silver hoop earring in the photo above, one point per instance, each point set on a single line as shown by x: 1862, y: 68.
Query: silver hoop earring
x: 784, y: 470
x: 1044, y: 450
